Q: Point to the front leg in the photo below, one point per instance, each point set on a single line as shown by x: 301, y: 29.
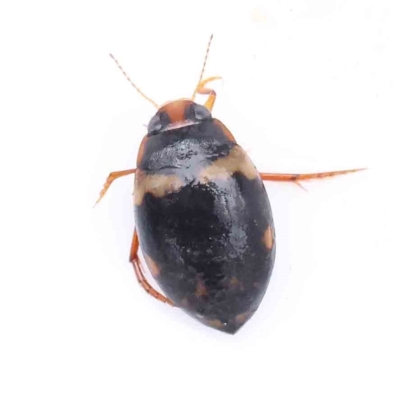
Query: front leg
x: 212, y: 95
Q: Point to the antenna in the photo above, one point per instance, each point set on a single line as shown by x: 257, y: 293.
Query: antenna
x: 204, y: 66
x: 129, y: 80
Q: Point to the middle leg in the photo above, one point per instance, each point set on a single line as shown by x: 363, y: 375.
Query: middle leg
x: 111, y: 178
x: 295, y: 178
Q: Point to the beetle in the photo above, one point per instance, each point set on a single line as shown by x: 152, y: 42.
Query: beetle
x: 202, y: 214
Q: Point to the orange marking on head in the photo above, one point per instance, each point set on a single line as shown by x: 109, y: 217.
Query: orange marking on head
x: 268, y: 238
x: 176, y: 110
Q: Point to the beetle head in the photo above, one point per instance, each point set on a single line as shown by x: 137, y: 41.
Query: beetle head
x: 176, y: 114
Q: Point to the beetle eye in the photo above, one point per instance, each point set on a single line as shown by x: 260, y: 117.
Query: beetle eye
x: 155, y: 125
x: 201, y: 112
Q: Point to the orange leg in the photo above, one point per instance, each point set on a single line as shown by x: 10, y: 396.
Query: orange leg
x: 111, y: 178
x: 295, y: 178
x: 201, y: 89
x: 137, y: 266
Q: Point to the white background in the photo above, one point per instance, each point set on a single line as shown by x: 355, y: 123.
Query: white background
x: 308, y: 86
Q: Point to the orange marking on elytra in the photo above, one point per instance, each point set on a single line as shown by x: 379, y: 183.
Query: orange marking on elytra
x: 268, y: 238
x: 225, y: 130
x: 242, y: 318
x: 234, y: 283
x: 153, y: 266
x: 216, y: 323
x: 225, y: 167
x: 201, y: 289
x: 158, y: 185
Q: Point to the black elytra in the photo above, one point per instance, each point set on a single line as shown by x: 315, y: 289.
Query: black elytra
x: 203, y: 217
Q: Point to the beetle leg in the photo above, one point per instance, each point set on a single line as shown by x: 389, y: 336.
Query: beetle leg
x: 111, y: 178
x: 137, y: 266
x: 201, y: 89
x: 295, y: 178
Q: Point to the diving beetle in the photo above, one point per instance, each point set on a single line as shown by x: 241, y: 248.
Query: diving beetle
x: 202, y: 214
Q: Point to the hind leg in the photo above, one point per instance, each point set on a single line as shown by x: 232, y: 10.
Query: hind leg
x: 137, y: 266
